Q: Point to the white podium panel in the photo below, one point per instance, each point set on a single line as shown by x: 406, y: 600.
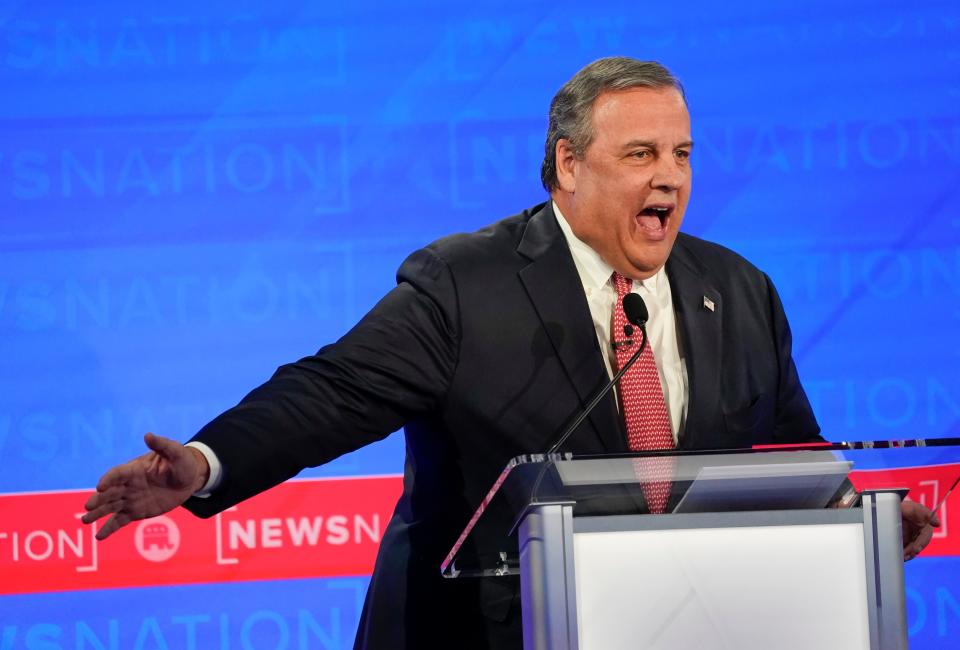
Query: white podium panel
x: 753, y: 587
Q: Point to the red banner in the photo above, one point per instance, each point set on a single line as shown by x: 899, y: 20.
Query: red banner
x: 303, y: 528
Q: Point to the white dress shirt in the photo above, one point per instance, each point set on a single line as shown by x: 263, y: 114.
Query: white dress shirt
x: 216, y: 469
x: 597, y: 278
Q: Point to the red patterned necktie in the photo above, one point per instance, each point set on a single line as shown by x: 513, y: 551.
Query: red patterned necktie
x: 644, y: 409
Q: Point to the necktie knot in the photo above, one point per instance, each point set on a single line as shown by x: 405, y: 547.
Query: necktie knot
x: 622, y: 284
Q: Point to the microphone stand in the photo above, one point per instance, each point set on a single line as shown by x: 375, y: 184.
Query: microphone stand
x: 600, y: 395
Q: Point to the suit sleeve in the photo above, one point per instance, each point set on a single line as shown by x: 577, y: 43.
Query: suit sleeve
x: 794, y: 418
x: 395, y: 364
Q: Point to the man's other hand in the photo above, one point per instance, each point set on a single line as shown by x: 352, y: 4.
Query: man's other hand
x: 918, y: 525
x: 148, y: 485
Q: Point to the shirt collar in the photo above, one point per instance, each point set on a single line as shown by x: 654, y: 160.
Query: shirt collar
x: 655, y: 282
x: 594, y: 272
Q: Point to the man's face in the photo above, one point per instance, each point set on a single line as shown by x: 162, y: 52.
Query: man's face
x: 626, y: 197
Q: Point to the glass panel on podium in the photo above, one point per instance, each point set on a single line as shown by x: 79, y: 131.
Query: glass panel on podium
x: 783, y: 477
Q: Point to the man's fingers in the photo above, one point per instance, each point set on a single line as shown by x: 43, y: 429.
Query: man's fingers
x: 101, y: 511
x: 101, y: 507
x: 923, y: 538
x: 918, y: 515
x: 918, y: 525
x: 110, y: 503
x: 914, y: 549
x: 116, y: 476
x: 165, y: 447
x: 112, y: 493
x: 115, y: 523
x: 103, y: 503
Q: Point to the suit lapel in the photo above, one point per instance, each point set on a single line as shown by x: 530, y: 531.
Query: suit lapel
x: 699, y: 308
x: 556, y: 291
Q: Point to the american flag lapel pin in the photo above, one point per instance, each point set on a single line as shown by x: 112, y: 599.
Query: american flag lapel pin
x: 708, y: 304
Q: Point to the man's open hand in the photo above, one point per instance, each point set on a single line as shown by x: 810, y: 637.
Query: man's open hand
x: 148, y: 485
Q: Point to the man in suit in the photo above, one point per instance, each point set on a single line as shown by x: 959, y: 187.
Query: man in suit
x: 488, y: 345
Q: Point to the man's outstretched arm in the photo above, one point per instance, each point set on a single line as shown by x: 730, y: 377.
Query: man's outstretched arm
x: 147, y: 486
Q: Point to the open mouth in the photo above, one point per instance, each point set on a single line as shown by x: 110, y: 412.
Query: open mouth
x: 654, y: 218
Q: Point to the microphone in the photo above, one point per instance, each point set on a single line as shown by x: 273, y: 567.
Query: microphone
x: 636, y: 312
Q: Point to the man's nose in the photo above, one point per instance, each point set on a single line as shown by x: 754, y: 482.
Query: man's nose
x: 668, y: 175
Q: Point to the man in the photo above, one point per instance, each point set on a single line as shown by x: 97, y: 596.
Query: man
x: 492, y: 340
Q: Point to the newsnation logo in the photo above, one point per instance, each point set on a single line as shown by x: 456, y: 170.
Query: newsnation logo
x: 303, y: 528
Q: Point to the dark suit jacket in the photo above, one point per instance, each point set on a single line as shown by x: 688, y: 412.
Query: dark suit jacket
x: 483, y: 351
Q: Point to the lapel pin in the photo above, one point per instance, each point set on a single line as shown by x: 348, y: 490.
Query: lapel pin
x: 707, y: 303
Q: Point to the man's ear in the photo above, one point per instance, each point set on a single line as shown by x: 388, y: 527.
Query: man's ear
x: 566, y: 166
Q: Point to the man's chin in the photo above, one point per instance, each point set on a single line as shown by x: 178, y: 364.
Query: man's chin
x: 651, y: 259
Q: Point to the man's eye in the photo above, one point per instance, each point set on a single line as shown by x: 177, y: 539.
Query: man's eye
x: 641, y: 154
x: 682, y: 154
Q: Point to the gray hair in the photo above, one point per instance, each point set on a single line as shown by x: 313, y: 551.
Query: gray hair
x: 571, y: 110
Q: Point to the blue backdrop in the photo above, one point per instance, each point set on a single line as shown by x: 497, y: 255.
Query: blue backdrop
x: 194, y: 193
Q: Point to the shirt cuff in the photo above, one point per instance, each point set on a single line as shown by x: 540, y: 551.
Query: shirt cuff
x: 216, y: 469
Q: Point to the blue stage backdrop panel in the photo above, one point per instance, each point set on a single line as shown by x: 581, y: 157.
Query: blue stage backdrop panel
x: 194, y: 193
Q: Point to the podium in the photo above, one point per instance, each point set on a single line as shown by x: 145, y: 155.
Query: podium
x: 762, y: 548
